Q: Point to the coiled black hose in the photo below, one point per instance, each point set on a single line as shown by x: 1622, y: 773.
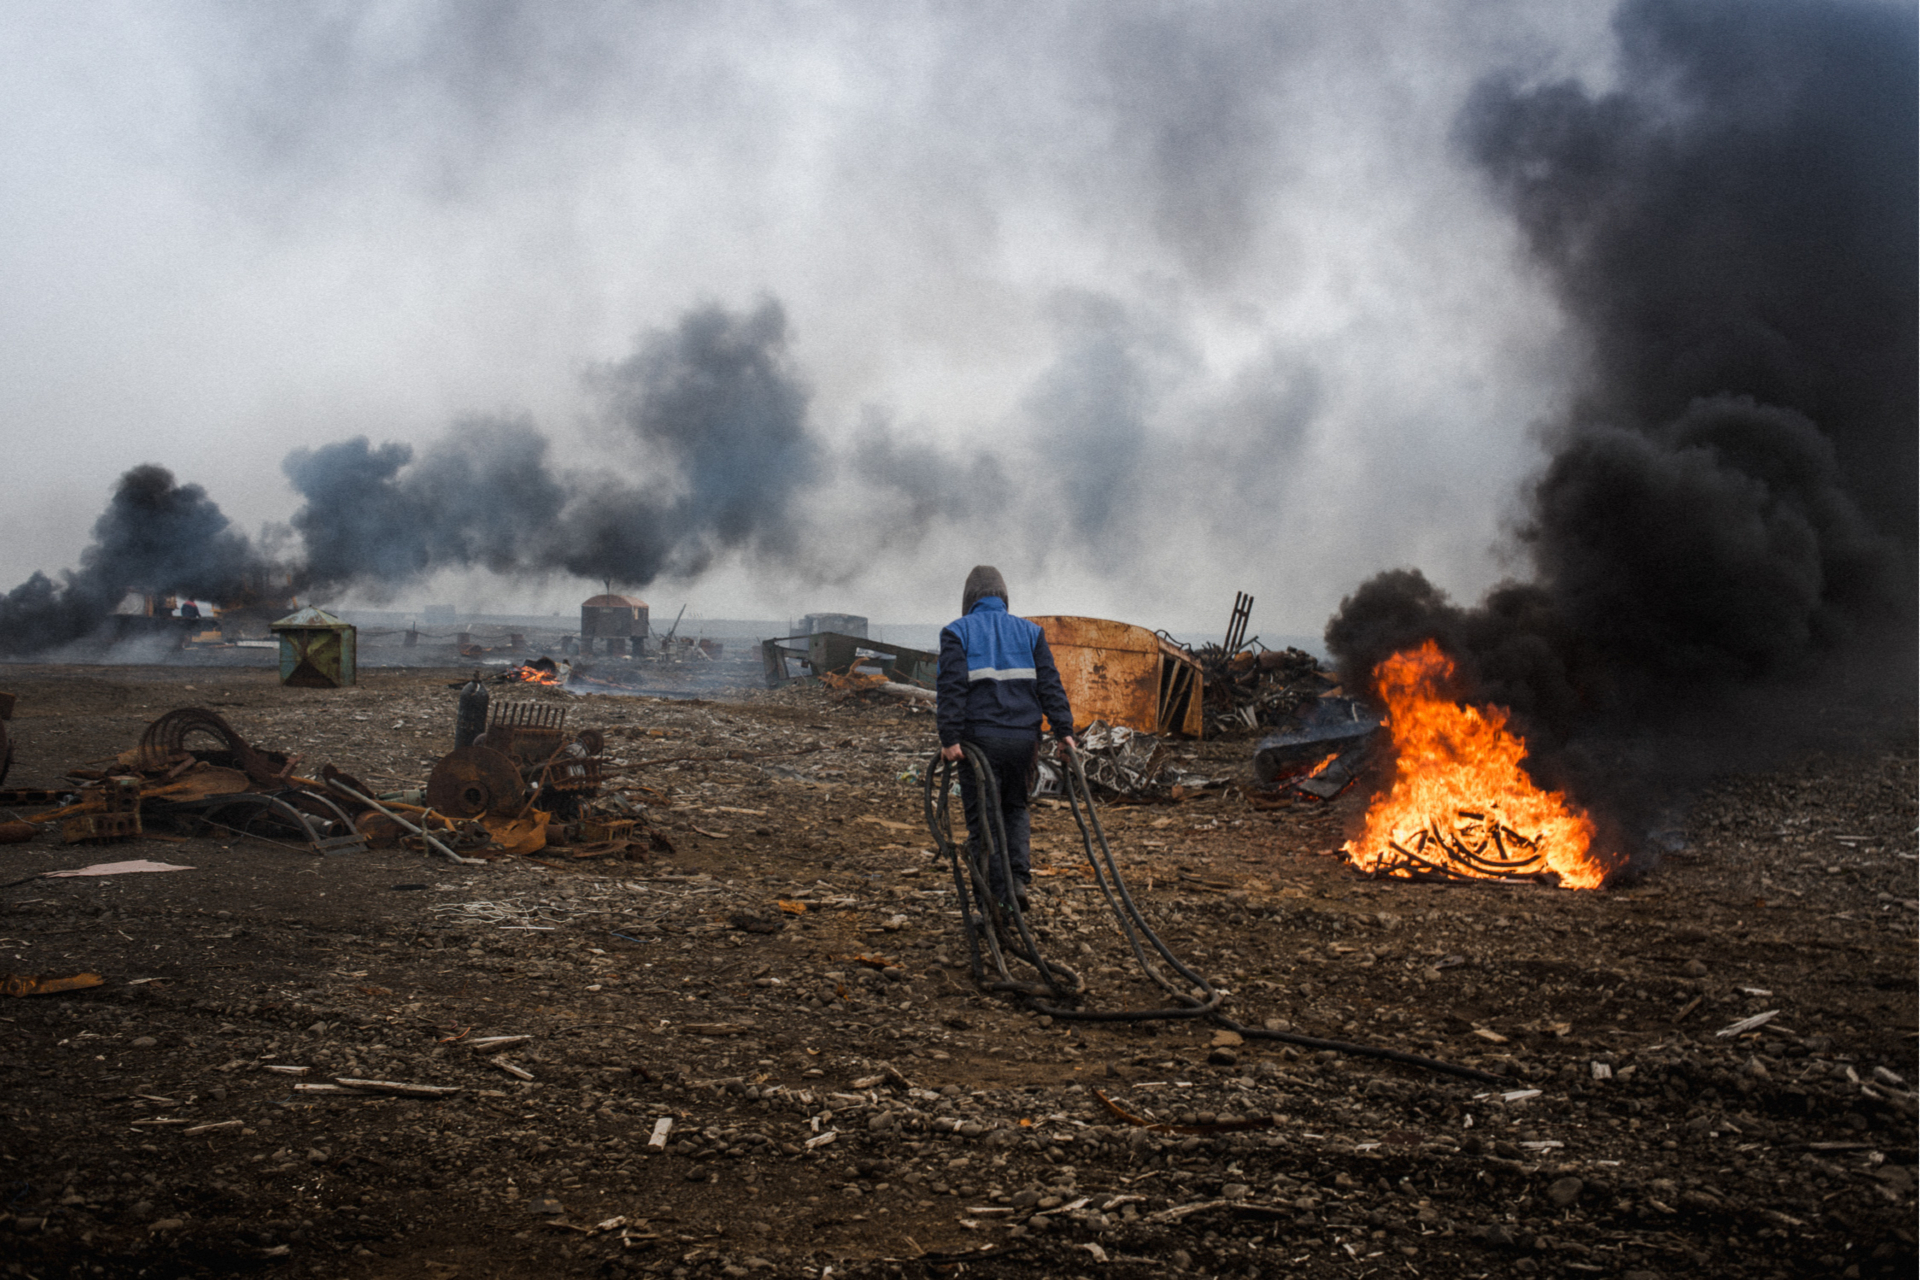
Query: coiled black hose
x: 996, y: 930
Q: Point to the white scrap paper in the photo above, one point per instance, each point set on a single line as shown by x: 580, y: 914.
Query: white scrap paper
x: 118, y: 868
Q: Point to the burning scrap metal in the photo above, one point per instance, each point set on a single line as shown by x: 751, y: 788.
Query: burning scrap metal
x: 1461, y: 806
x: 1321, y: 750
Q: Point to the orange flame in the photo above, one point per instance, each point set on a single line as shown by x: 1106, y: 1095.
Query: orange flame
x: 1321, y: 768
x: 533, y: 675
x: 1460, y: 804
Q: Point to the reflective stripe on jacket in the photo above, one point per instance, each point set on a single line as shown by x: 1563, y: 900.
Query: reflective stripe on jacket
x: 997, y: 678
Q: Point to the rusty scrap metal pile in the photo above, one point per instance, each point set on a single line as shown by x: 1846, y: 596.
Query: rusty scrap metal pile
x: 1250, y: 687
x: 523, y: 785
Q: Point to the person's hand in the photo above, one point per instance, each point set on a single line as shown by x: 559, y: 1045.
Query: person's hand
x: 950, y: 753
x: 1066, y: 745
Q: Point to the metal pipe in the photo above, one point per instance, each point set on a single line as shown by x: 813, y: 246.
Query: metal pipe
x: 419, y: 831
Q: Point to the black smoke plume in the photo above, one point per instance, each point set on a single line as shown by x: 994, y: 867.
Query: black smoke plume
x: 711, y: 417
x: 707, y: 447
x: 1729, y: 506
x: 156, y: 536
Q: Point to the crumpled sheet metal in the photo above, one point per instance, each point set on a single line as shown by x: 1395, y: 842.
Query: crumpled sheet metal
x: 1130, y: 763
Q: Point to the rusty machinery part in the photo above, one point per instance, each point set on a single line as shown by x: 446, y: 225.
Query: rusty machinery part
x: 528, y: 715
x: 166, y: 740
x: 528, y: 748
x: 38, y: 797
x: 1003, y: 931
x: 529, y: 732
x: 592, y: 741
x: 467, y: 835
x: 572, y: 770
x: 379, y: 830
x: 471, y: 781
x: 274, y: 816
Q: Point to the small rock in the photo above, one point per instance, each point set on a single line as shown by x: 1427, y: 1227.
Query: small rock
x: 1223, y: 1057
x: 1236, y: 1191
x: 1180, y: 1259
x: 1565, y: 1191
x: 1694, y: 969
x: 1499, y: 1234
x: 168, y: 1224
x: 144, y: 1042
x: 1227, y: 1040
x: 546, y: 1208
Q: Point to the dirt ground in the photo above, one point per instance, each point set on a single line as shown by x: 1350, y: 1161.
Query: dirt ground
x: 830, y: 1117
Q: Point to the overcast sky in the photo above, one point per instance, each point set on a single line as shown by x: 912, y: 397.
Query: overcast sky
x: 1207, y: 284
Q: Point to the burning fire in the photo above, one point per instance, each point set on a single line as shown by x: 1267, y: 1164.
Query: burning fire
x: 1461, y: 806
x: 1321, y: 768
x: 529, y: 674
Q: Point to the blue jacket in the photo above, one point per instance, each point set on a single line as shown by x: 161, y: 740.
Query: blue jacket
x: 997, y: 678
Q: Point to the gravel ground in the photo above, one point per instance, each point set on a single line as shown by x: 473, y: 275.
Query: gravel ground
x: 838, y: 1096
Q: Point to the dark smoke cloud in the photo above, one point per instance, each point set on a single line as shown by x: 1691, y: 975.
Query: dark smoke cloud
x: 155, y: 536
x: 922, y: 483
x: 722, y: 403
x: 482, y: 496
x: 713, y: 414
x: 1739, y: 220
x: 706, y: 450
x: 1730, y: 504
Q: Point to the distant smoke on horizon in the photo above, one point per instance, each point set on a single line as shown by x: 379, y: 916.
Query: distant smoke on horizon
x: 712, y: 414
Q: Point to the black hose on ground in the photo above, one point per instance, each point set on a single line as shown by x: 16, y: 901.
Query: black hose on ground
x: 996, y: 930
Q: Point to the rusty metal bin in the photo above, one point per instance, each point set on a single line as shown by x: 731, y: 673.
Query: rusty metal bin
x: 1125, y: 675
x: 316, y: 650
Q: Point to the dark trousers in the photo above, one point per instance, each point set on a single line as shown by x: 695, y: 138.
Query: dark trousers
x: 1012, y: 761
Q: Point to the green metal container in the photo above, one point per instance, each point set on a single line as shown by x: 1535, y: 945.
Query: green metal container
x: 316, y: 650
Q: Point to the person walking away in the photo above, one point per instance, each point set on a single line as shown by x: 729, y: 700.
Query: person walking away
x: 996, y: 680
